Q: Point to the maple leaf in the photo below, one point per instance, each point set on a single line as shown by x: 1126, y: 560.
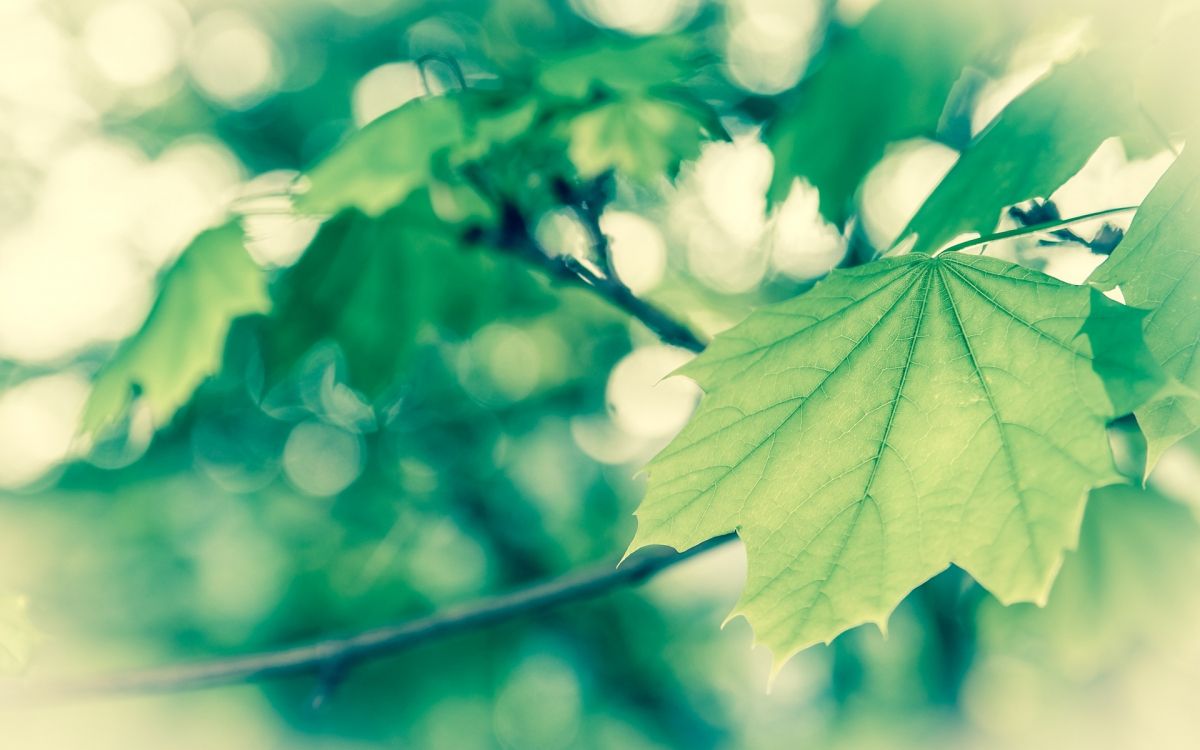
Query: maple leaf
x: 389, y: 159
x: 643, y: 138
x: 899, y: 417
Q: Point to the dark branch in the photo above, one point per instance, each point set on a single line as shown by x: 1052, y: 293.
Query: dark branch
x: 336, y: 656
x: 331, y: 659
x: 515, y: 237
x: 603, y: 282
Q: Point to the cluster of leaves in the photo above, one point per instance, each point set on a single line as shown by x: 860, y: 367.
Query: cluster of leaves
x: 926, y: 409
x: 413, y: 198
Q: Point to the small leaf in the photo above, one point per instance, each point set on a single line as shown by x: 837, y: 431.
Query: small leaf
x: 899, y: 417
x: 181, y: 343
x: 1037, y: 143
x: 1157, y: 267
x: 641, y: 138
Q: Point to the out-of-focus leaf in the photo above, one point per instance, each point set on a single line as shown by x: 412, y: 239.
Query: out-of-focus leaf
x: 1157, y: 267
x: 899, y: 417
x: 635, y: 118
x: 642, y: 138
x: 1132, y: 578
x: 382, y: 164
x: 214, y: 281
x: 374, y: 285
x: 885, y: 80
x: 611, y: 107
x: 630, y: 68
x: 1036, y: 144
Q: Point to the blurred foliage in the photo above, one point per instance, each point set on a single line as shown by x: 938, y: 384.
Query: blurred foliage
x: 911, y: 52
x: 1170, y: 287
x: 416, y: 417
x: 1037, y: 143
x: 181, y: 342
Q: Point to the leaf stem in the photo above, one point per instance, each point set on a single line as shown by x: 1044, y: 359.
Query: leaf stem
x: 1045, y: 226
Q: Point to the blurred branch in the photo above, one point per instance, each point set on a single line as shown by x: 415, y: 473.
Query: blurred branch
x: 330, y: 659
x: 515, y: 237
x: 571, y: 270
x: 336, y: 656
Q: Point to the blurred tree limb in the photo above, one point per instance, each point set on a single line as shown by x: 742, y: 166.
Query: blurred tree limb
x: 331, y: 658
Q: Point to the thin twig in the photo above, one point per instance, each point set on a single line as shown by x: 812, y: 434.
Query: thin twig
x: 1034, y: 229
x: 1103, y: 243
x: 573, y: 271
x: 337, y: 655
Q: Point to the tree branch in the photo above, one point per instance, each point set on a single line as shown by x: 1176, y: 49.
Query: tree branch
x: 515, y: 238
x: 330, y: 659
x: 338, y: 655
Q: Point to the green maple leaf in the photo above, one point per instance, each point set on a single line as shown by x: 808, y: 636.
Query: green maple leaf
x: 1035, y: 145
x: 899, y: 417
x: 885, y: 80
x: 181, y: 343
x: 619, y: 106
x: 1157, y: 266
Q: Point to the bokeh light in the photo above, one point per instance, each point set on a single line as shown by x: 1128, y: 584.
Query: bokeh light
x: 770, y: 42
x: 321, y: 459
x: 134, y: 42
x: 385, y: 88
x: 232, y: 60
x: 637, y: 16
x: 900, y: 183
x: 38, y: 422
x: 638, y: 250
x: 641, y: 396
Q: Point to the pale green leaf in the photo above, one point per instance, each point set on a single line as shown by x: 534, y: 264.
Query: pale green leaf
x: 380, y: 165
x: 1157, y: 267
x: 642, y: 138
x: 183, y: 338
x: 899, y: 417
x: 1035, y: 145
